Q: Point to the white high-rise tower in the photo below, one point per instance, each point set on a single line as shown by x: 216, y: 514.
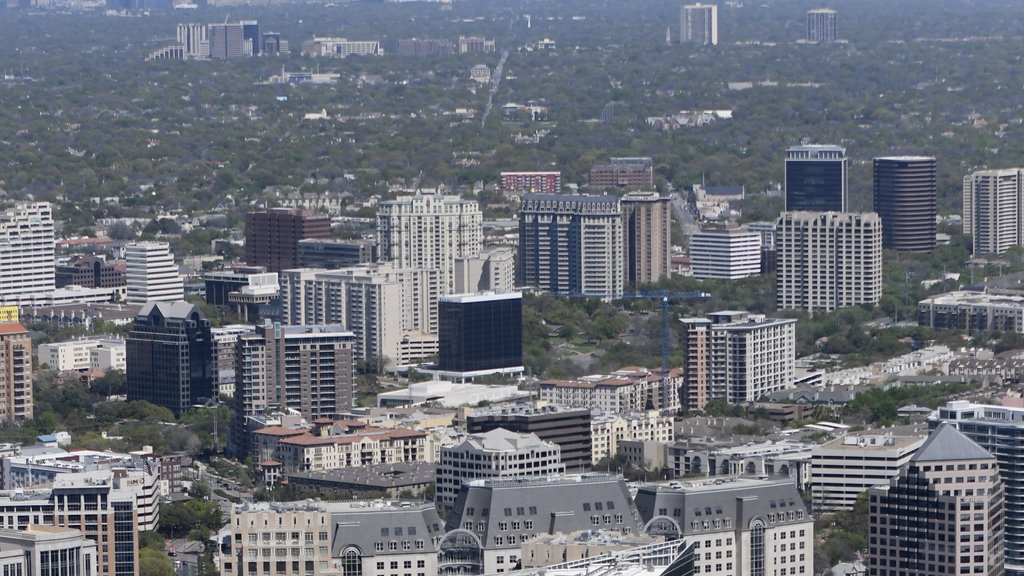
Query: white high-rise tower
x: 152, y: 273
x: 26, y: 252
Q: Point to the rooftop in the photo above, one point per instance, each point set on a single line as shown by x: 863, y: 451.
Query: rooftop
x: 946, y: 443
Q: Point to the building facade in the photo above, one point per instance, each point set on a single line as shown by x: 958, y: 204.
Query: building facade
x: 26, y: 252
x: 607, y: 430
x: 331, y: 254
x: 816, y: 178
x: 647, y: 236
x: 272, y: 236
x: 905, y: 193
x: 91, y: 272
x: 569, y: 428
x: 821, y: 26
x: 15, y: 373
x: 698, y: 24
x: 828, y: 260
x: 994, y: 210
x: 492, y: 270
x: 634, y: 173
x: 629, y: 389
x: 480, y: 333
x: 519, y: 183
x: 727, y: 254
x: 151, y: 274
x: 841, y: 470
x: 973, y: 312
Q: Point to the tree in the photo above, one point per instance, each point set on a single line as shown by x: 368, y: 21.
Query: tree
x: 155, y: 563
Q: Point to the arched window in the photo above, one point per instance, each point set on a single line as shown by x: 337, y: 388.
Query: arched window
x: 352, y: 562
x: 757, y: 549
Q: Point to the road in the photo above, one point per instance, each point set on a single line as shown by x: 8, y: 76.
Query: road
x: 684, y: 218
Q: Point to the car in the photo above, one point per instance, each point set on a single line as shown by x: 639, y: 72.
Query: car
x: 172, y: 553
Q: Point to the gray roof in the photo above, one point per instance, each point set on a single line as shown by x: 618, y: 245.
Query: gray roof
x: 741, y: 500
x: 362, y: 525
x: 946, y: 443
x: 179, y: 309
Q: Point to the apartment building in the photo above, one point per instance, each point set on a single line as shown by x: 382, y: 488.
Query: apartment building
x: 519, y: 183
x: 841, y: 470
x: 26, y: 252
x: 647, y: 237
x: 629, y: 173
x: 698, y: 24
x: 225, y: 343
x: 492, y: 270
x: 272, y: 236
x: 608, y: 429
x: 82, y: 354
x: 994, y: 210
x: 629, y: 389
x: 972, y: 312
x: 363, y: 447
x: 16, y: 400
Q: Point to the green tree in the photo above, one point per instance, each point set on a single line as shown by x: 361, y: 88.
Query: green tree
x: 155, y: 563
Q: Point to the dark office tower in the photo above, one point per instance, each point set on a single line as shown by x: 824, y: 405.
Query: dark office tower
x: 169, y: 355
x: 816, y: 178
x: 821, y: 26
x: 480, y: 333
x: 905, y: 199
x: 225, y: 41
x: 272, y: 236
x: 250, y: 37
x: 271, y: 44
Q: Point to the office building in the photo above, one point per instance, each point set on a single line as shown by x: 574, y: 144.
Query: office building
x: 15, y: 373
x: 423, y: 47
x: 816, y: 178
x: 698, y: 24
x: 943, y: 514
x: 631, y: 173
x: 505, y: 513
x: 994, y: 210
x: 492, y: 270
x: 495, y: 453
x: 26, y: 252
x: 47, y: 550
x: 332, y: 254
x: 571, y: 245
x: 430, y: 231
x: 841, y: 470
x: 91, y: 272
x: 195, y: 40
x: 647, y: 235
x: 738, y: 526
x: 151, y: 273
x: 609, y: 429
x: 737, y: 357
x: 250, y: 37
x: 828, y: 260
x: 83, y: 354
x: 569, y: 428
x: 821, y: 26
x: 226, y: 41
x: 340, y: 47
x: 475, y: 44
x: 972, y: 312
x: 519, y: 183
x: 905, y: 200
x: 271, y: 44
x: 996, y: 429
x: 169, y: 354
x: 225, y: 345
x: 480, y: 334
x: 725, y: 253
x: 272, y: 236
x: 629, y: 389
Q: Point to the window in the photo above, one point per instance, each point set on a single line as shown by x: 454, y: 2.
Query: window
x: 352, y: 563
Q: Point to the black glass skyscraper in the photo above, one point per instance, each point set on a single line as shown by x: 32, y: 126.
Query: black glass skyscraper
x: 905, y: 199
x: 816, y: 178
x: 480, y: 332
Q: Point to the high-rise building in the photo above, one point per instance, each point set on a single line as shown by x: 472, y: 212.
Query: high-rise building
x: 842, y: 469
x: 44, y: 550
x: 631, y: 173
x: 728, y: 254
x: 492, y: 270
x: 151, y: 273
x: 698, y: 24
x: 272, y: 236
x: 308, y: 369
x: 226, y: 41
x: 225, y: 344
x: 15, y: 373
x: 195, y: 40
x: 828, y: 260
x: 271, y: 44
x: 821, y: 26
x: 737, y: 357
x: 942, y: 515
x: 816, y: 178
x: 994, y: 210
x: 480, y: 334
x: 430, y: 231
x: 905, y: 200
x: 169, y: 355
x: 26, y: 252
x: 647, y: 233
x: 571, y: 245
x: 250, y: 37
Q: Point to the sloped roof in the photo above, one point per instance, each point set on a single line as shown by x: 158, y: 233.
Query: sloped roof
x: 947, y: 443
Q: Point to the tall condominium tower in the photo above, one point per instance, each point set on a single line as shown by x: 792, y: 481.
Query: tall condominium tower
x: 571, y: 245
x: 647, y: 233
x: 15, y: 373
x: 905, y: 199
x: 943, y: 514
x: 152, y: 274
x: 272, y: 236
x: 169, y: 355
x: 816, y: 178
x: 698, y: 24
x: 26, y: 252
x: 430, y: 231
x: 828, y: 260
x: 821, y: 26
x: 226, y: 41
x: 994, y: 209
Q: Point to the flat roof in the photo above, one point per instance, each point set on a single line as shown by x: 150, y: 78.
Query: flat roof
x: 481, y: 297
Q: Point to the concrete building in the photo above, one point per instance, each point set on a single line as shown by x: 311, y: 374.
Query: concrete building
x: 571, y: 245
x: 768, y: 459
x: 569, y: 428
x: 737, y: 357
x: 629, y: 173
x: 949, y: 478
x: 430, y: 231
x: 647, y: 237
x: 630, y: 389
x: 727, y: 254
x: 272, y: 236
x: 996, y: 429
x: 519, y: 183
x: 26, y: 252
x: 169, y: 356
x: 195, y: 40
x: 475, y: 44
x: 994, y: 210
x: 45, y: 550
x: 92, y: 272
x: 821, y: 26
x: 16, y: 403
x: 816, y: 178
x: 738, y: 526
x: 841, y: 470
x: 340, y: 47
x: 497, y: 453
x: 99, y: 354
x: 225, y: 343
x: 905, y: 192
x: 609, y: 429
x: 332, y: 254
x: 698, y: 24
x: 973, y: 312
x: 363, y: 446
x: 828, y: 260
x: 152, y: 274
x: 226, y: 40
x: 492, y: 270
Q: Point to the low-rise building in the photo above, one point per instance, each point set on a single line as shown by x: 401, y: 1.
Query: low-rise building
x: 973, y: 312
x: 608, y: 429
x: 45, y: 551
x: 629, y: 389
x: 783, y: 458
x: 83, y: 354
x: 348, y: 444
x: 841, y: 470
x: 569, y: 428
